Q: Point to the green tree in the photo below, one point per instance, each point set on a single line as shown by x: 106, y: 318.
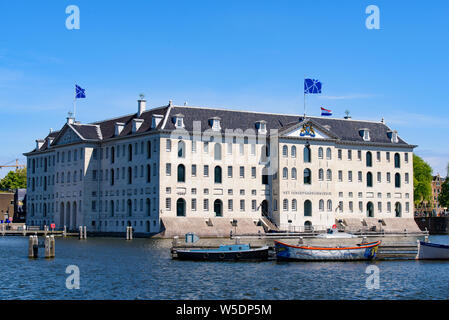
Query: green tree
x: 443, y: 198
x: 14, y: 180
x: 422, y: 180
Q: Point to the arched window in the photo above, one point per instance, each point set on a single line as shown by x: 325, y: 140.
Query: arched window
x: 397, y: 180
x: 328, y: 154
x: 130, y: 152
x: 112, y: 154
x: 307, y: 208
x: 285, y: 173
x: 148, y: 173
x: 217, y: 174
x: 285, y: 151
x: 369, y: 159
x: 130, y: 175
x: 181, y: 207
x: 398, y: 209
x: 181, y: 149
x: 370, y: 209
x: 321, y: 205
x: 149, y: 149
x: 329, y: 205
x: 307, y: 154
x: 148, y: 207
x: 397, y: 160
x: 294, y: 173
x: 329, y: 175
x: 307, y: 176
x: 130, y: 207
x: 112, y: 177
x: 293, y: 151
x: 181, y: 173
x: 217, y: 151
x: 321, y: 175
x: 218, y: 208
x: 111, y: 208
x: 369, y: 179
x: 320, y: 153
x: 294, y: 205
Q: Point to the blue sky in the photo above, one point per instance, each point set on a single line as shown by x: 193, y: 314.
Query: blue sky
x: 250, y: 55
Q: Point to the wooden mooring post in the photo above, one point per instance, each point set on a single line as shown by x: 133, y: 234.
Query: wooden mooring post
x: 129, y: 233
x: 64, y: 233
x: 83, y: 233
x: 50, y: 246
x: 33, y: 247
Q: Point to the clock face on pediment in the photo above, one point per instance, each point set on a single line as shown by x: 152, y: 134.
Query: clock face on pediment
x: 68, y: 136
x: 307, y: 130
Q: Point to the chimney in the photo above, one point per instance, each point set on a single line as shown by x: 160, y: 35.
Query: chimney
x: 156, y: 120
x: 39, y: 144
x: 136, y: 124
x: 70, y: 120
x: 141, y: 105
x: 119, y: 127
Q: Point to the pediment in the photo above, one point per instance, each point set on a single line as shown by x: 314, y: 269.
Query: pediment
x: 310, y: 130
x: 66, y: 136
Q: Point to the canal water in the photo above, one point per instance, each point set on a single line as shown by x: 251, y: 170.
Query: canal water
x: 112, y: 268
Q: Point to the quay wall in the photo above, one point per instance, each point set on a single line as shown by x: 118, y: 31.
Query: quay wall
x: 435, y: 225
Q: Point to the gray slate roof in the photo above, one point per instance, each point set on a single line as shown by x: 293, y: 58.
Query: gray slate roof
x: 344, y: 129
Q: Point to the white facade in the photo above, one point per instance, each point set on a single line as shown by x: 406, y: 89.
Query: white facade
x: 138, y: 178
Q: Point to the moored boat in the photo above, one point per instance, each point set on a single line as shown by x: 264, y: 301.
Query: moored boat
x: 365, y: 251
x: 432, y: 251
x: 234, y: 252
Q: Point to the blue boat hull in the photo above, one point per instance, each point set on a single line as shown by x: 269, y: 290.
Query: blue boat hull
x: 256, y: 254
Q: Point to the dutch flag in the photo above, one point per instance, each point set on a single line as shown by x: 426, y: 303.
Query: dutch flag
x: 325, y: 112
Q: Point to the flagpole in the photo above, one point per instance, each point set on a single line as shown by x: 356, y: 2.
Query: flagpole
x: 304, y: 98
x: 74, y: 104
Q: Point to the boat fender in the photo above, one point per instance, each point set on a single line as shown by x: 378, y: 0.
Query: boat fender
x: 222, y: 255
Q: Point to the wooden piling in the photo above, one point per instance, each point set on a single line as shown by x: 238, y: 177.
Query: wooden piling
x: 49, y: 247
x: 85, y: 232
x: 64, y: 233
x: 24, y: 230
x: 52, y: 246
x: 129, y: 233
x: 33, y: 247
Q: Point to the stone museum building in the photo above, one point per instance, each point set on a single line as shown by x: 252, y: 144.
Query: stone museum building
x: 184, y: 168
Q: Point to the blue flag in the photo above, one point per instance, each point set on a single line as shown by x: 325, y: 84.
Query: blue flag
x: 80, y: 92
x: 312, y: 86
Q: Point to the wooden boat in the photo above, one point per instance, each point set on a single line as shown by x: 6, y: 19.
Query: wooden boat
x: 231, y: 252
x: 432, y: 251
x: 365, y: 251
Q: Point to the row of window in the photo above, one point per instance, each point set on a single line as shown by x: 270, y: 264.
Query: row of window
x: 218, y: 175
x: 307, y: 176
x: 181, y: 208
x: 307, y: 155
x: 307, y: 208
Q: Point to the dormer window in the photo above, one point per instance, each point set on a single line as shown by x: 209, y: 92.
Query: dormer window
x: 365, y: 134
x: 393, y: 135
x: 119, y: 127
x: 178, y: 120
x: 261, y: 127
x: 49, y: 141
x: 136, y: 124
x: 157, y: 118
x: 215, y: 123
